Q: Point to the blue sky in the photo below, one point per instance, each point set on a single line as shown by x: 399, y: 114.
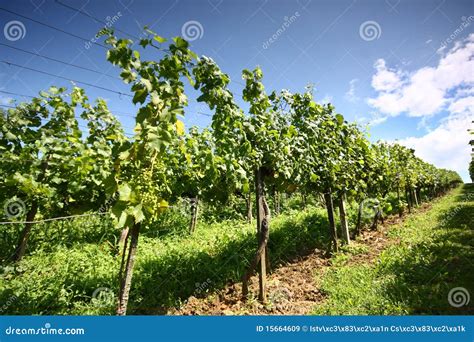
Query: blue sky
x: 381, y: 63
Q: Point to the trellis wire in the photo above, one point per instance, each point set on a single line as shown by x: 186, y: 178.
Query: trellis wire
x: 64, y: 217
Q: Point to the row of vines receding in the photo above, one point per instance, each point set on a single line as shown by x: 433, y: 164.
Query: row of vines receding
x: 285, y: 143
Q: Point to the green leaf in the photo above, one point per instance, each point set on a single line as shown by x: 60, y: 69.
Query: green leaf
x: 124, y: 192
x: 137, y: 213
x: 181, y: 43
x: 246, y: 187
x: 10, y: 136
x: 140, y: 96
x: 159, y: 39
x: 53, y: 90
x: 110, y: 185
x: 180, y: 127
x: 147, y: 84
x: 128, y: 76
x: 124, y: 155
x: 155, y: 99
x: 122, y: 220
x: 163, y: 205
x: 144, y: 42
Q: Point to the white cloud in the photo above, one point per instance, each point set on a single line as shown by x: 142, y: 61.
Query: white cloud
x: 425, y: 91
x: 423, y: 124
x: 385, y: 79
x: 377, y: 120
x: 447, y: 146
x: 374, y: 119
x: 350, y: 94
x: 464, y: 92
x: 447, y: 87
x: 388, y: 103
x: 463, y: 105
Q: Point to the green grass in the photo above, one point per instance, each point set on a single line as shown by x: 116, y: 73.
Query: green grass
x: 435, y: 255
x: 61, y: 276
x: 66, y: 262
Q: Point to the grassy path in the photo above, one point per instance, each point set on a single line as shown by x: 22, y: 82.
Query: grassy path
x: 429, y: 254
x: 408, y: 266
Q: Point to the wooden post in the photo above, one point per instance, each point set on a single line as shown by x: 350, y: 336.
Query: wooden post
x: 332, y: 224
x: 276, y: 200
x: 25, y: 233
x: 122, y: 241
x: 126, y: 279
x: 376, y: 218
x: 415, y: 197
x: 407, y: 192
x: 259, y: 187
x: 249, y: 207
x: 30, y: 216
x: 400, y: 209
x: 359, y: 219
x: 194, y: 214
x: 344, y: 224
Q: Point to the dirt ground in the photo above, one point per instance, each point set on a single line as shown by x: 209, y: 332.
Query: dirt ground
x: 291, y: 287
